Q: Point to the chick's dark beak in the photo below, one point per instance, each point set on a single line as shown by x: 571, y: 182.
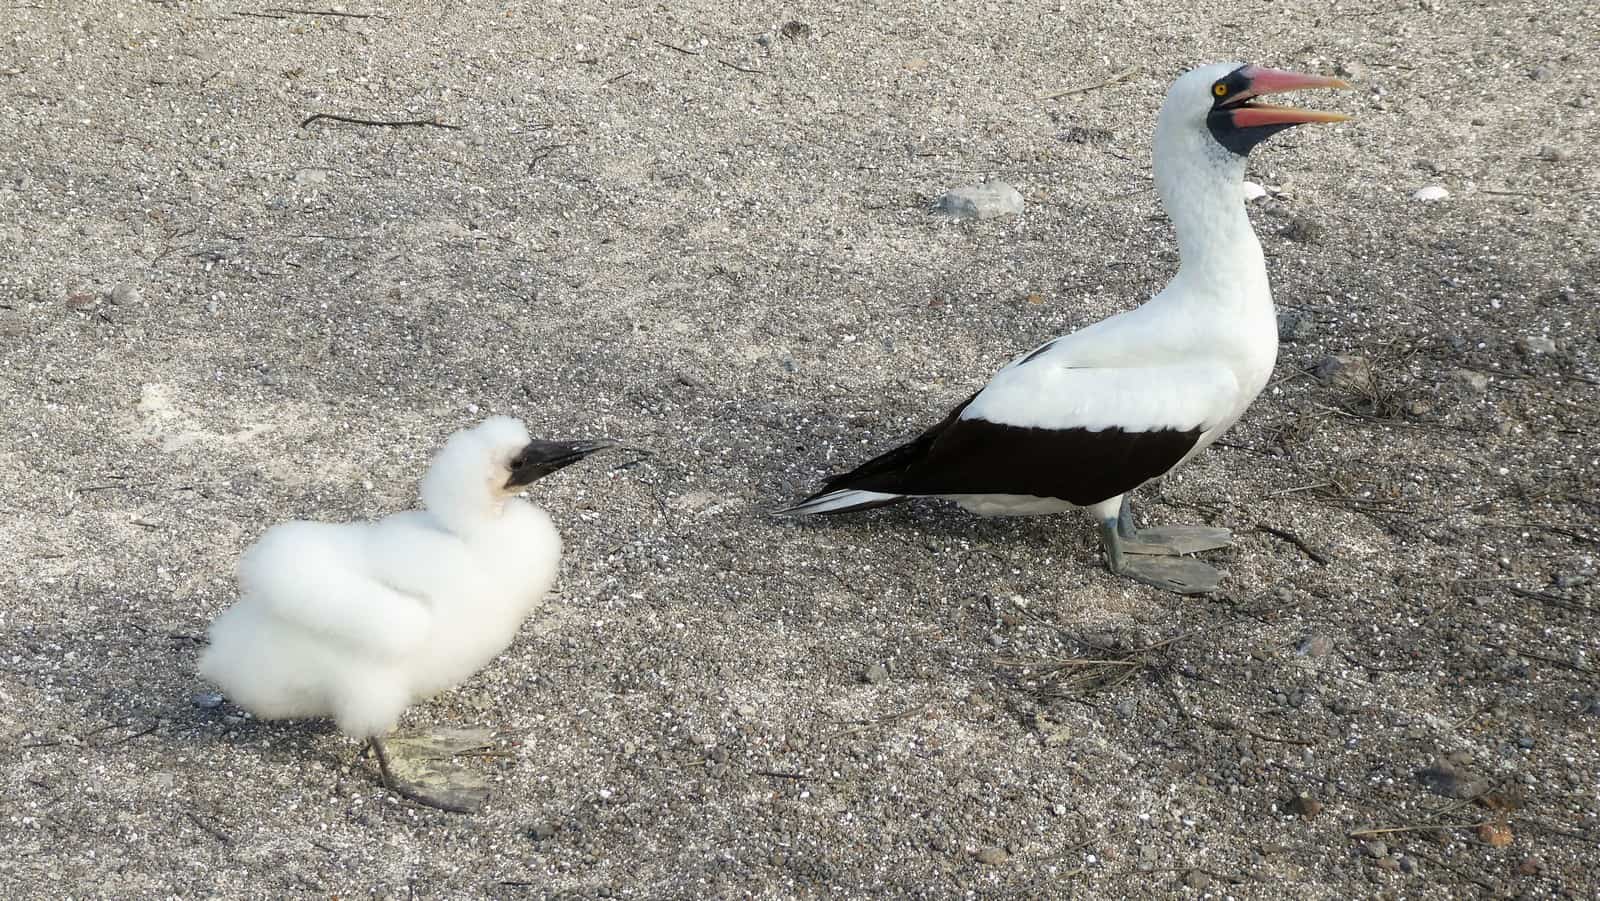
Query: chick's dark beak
x: 540, y: 458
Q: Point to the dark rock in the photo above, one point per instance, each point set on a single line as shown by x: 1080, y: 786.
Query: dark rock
x: 207, y: 700
x: 1452, y: 780
x: 1350, y: 373
x: 1304, y: 805
x: 1295, y: 326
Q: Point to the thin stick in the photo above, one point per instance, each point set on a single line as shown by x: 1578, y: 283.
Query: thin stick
x: 682, y: 50
x: 207, y: 828
x: 1295, y: 540
x: 1421, y: 827
x: 387, y: 123
x: 1120, y: 76
x: 323, y: 12
x: 616, y: 78
x: 739, y: 68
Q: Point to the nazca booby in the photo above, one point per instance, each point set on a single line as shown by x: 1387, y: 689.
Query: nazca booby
x: 359, y: 620
x: 1083, y: 420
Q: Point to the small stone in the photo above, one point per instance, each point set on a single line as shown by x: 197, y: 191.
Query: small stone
x: 1375, y: 848
x: 1350, y: 373
x: 1295, y: 326
x: 207, y: 700
x: 1552, y: 154
x: 1389, y: 864
x: 1126, y: 708
x: 311, y: 176
x: 125, y: 294
x: 1302, y: 230
x: 541, y: 831
x: 986, y: 201
x: 1542, y: 73
x: 1199, y: 880
x: 1304, y: 805
x: 990, y: 855
x: 1350, y: 69
x: 1253, y: 191
x: 82, y: 300
x: 1495, y: 835
x: 1315, y: 646
x: 795, y: 30
x: 1533, y: 345
x: 876, y: 674
x: 1408, y: 865
x: 1430, y: 194
x: 1475, y: 382
x: 1525, y: 742
x: 1530, y: 866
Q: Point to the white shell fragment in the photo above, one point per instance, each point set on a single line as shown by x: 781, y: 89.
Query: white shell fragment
x: 1430, y: 194
x: 1253, y: 191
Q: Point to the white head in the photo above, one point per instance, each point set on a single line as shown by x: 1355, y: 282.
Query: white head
x: 478, y: 468
x: 1210, y: 112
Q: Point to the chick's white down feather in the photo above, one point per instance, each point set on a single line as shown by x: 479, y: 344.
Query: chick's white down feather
x: 359, y: 620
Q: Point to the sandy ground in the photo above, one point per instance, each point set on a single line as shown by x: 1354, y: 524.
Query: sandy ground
x: 704, y: 230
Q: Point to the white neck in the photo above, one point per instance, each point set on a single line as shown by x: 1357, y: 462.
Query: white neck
x: 1201, y: 188
x: 461, y: 505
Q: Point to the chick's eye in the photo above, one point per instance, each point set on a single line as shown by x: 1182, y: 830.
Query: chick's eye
x: 1220, y: 89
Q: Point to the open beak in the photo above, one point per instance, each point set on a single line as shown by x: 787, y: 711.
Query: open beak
x: 1260, y: 82
x: 540, y: 458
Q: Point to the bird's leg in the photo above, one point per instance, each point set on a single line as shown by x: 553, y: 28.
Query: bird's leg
x: 443, y: 799
x: 378, y: 751
x: 1167, y: 540
x: 1180, y: 575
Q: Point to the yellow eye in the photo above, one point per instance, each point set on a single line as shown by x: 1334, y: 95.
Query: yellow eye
x: 1220, y: 89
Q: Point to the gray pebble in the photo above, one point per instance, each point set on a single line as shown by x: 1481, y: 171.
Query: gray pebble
x: 125, y: 294
x: 1302, y: 230
x: 207, y: 700
x: 1315, y: 646
x: 1345, y: 371
x: 992, y: 856
x: 541, y: 831
x: 876, y: 674
x: 1197, y: 880
x: 1475, y: 382
x: 310, y: 176
x: 1295, y: 326
x: 1376, y: 849
x: 1533, y: 345
x: 986, y: 201
x: 1525, y: 742
x: 1542, y: 73
x: 1552, y: 154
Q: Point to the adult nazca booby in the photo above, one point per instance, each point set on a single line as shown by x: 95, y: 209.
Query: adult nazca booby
x: 360, y: 620
x: 1085, y: 419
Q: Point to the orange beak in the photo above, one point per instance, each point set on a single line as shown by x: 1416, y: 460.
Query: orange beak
x: 1261, y: 82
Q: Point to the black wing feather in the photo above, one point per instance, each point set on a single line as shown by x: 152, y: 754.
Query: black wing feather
x: 976, y: 456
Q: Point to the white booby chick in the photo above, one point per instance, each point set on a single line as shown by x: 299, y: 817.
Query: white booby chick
x: 1085, y: 419
x: 359, y: 620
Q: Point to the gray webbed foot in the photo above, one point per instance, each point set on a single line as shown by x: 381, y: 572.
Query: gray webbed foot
x: 1164, y: 569
x: 422, y: 769
x: 1167, y: 540
x: 1179, y: 575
